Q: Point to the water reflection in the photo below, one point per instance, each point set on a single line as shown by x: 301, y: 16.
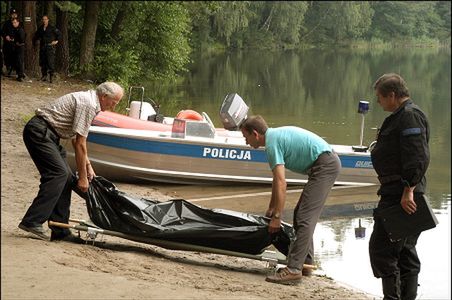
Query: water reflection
x: 319, y: 90
x: 345, y: 257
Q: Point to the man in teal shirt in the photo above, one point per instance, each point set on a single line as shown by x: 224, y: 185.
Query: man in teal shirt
x: 304, y: 152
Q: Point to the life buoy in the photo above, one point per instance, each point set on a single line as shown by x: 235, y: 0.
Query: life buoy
x: 189, y: 114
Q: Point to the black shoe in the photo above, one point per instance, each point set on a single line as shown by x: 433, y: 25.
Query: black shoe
x: 44, y: 78
x: 19, y: 79
x: 50, y: 79
x: 36, y: 230
x: 67, y: 238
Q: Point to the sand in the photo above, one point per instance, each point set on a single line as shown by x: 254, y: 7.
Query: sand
x: 116, y: 268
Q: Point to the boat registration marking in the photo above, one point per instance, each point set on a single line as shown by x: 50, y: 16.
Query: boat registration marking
x: 226, y: 153
x: 363, y: 164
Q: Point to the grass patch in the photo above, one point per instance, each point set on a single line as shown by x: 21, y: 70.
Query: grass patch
x: 25, y: 118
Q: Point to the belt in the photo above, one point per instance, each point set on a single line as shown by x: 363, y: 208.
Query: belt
x: 48, y: 125
x: 389, y: 178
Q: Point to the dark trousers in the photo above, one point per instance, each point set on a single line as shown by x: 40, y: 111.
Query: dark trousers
x: 47, y: 60
x: 8, y: 54
x: 322, y: 176
x: 396, y: 263
x: 19, y: 59
x: 54, y: 196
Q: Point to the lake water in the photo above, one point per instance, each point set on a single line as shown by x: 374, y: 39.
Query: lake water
x: 319, y: 90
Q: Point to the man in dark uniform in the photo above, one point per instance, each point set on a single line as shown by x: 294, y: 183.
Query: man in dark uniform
x: 48, y: 37
x: 400, y: 158
x: 8, y: 43
x: 19, y: 45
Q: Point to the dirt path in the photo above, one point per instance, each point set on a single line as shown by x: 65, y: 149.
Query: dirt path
x: 118, y: 268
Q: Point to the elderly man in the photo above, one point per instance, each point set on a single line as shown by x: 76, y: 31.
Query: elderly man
x: 304, y: 152
x: 67, y: 117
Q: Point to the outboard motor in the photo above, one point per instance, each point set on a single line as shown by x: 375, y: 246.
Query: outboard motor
x: 233, y: 112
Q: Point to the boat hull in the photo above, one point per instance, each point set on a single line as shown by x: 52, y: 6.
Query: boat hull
x: 130, y: 155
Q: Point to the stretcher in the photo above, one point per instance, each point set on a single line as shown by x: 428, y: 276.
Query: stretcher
x: 92, y: 232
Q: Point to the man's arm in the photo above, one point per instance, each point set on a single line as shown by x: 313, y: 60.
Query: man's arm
x: 79, y: 144
x: 415, y: 156
x: 278, y: 199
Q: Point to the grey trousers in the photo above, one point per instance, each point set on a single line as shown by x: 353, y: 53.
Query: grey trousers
x: 321, y: 178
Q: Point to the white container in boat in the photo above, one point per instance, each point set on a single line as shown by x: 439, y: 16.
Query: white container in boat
x: 168, y: 120
x: 146, y: 110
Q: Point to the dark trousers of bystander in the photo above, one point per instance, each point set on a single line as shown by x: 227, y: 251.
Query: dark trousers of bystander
x: 8, y: 56
x: 19, y: 61
x: 54, y: 196
x: 47, y: 60
x: 396, y: 263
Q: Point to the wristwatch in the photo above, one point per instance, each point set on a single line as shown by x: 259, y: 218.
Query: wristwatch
x: 276, y: 216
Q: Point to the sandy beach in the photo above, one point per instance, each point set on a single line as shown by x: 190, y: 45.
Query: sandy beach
x: 117, y: 268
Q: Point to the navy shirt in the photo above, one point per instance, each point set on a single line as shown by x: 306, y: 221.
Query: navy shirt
x: 401, y: 155
x: 47, y: 36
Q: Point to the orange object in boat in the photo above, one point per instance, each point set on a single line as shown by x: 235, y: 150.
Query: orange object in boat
x: 189, y: 114
x: 112, y: 119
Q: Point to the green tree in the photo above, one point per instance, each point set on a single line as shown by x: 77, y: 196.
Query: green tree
x: 337, y: 21
x: 232, y: 17
x: 288, y: 19
x: 201, y: 17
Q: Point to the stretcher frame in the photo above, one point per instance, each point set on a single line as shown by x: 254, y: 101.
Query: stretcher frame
x: 273, y: 258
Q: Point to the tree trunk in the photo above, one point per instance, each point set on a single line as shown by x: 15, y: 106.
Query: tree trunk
x: 50, y: 11
x: 117, y: 24
x: 31, y: 51
x: 267, y: 22
x: 8, y: 7
x: 62, y: 51
x: 89, y: 33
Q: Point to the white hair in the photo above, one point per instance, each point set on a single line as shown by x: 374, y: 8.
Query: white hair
x: 109, y: 89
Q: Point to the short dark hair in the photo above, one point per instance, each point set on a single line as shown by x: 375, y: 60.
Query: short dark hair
x: 255, y: 123
x: 391, y: 82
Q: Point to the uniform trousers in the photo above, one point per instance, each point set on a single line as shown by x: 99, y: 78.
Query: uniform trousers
x: 397, y: 263
x: 47, y: 60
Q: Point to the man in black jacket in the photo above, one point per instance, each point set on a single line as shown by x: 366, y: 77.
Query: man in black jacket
x: 48, y: 37
x: 8, y: 43
x: 400, y: 158
x: 19, y: 45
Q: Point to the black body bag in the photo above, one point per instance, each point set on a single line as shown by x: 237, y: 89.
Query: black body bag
x: 181, y: 221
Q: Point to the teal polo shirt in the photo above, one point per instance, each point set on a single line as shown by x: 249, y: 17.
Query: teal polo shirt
x: 295, y: 148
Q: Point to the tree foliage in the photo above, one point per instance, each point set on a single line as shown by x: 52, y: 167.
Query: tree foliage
x: 128, y: 40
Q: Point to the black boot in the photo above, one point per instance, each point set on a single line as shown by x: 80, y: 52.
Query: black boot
x: 50, y: 78
x: 391, y: 287
x: 44, y: 78
x: 408, y: 287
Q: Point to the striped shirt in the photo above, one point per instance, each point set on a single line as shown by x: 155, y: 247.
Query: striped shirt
x: 71, y: 114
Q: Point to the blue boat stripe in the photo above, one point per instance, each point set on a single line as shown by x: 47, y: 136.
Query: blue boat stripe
x: 178, y: 149
x: 206, y: 152
x: 411, y: 131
